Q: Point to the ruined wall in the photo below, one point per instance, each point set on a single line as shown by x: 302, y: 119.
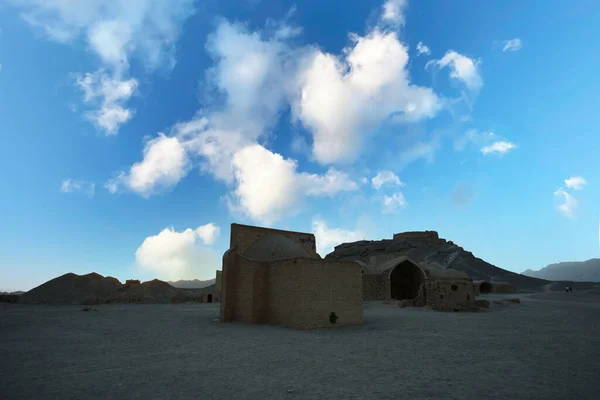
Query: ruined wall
x: 243, y: 236
x: 9, y: 298
x: 502, y: 287
x: 303, y: 292
x: 228, y: 285
x: 132, y: 282
x: 218, y: 280
x: 450, y: 295
x: 425, y: 236
x: 374, y: 287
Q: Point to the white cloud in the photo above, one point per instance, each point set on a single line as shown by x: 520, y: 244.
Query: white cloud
x: 267, y: 185
x: 462, y: 68
x: 114, y: 31
x: 342, y: 100
x: 393, y: 203
x: 512, y: 45
x: 423, y: 49
x: 569, y: 203
x: 393, y: 11
x: 0, y: 67
x: 500, y: 147
x: 575, y: 182
x: 327, y: 237
x: 76, y: 185
x: 176, y: 255
x: 112, y: 93
x: 165, y: 163
x: 209, y: 233
x: 385, y: 177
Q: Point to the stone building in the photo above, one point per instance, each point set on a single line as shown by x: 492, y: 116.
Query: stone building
x: 483, y: 287
x: 211, y: 294
x: 418, y: 284
x: 132, y: 282
x: 276, y: 277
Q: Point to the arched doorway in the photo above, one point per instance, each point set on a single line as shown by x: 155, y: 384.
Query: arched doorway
x: 405, y: 280
x: 209, y: 298
x: 485, y: 287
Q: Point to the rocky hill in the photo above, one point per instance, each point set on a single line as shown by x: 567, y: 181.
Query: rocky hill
x: 578, y: 271
x: 94, y: 289
x: 192, y: 284
x: 428, y: 247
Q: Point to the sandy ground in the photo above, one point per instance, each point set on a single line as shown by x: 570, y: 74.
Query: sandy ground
x: 547, y: 347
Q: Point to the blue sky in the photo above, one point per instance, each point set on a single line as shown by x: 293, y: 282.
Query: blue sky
x: 135, y: 132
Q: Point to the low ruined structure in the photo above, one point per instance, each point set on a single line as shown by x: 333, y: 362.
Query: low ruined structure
x: 276, y: 277
x: 132, y: 282
x: 484, y: 287
x: 418, y: 284
x: 9, y: 298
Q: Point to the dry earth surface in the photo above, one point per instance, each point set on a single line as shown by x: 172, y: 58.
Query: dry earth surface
x: 547, y: 347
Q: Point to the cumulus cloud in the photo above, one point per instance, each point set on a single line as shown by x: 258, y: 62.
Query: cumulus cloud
x: 500, y: 147
x: 393, y: 203
x: 512, y: 45
x: 114, y: 31
x: 174, y: 255
x: 268, y: 185
x: 567, y: 204
x: 423, y: 49
x: 385, y: 178
x: 340, y: 100
x: 327, y: 238
x: 575, y: 182
x: 393, y: 12
x: 255, y: 75
x: 462, y: 68
x: 165, y: 163
x: 76, y: 185
x: 111, y: 94
x: 209, y: 233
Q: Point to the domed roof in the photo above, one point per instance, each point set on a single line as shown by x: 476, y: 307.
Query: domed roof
x: 274, y: 248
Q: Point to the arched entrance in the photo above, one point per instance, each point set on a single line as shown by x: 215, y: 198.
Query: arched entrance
x: 405, y: 280
x: 209, y: 298
x: 485, y: 287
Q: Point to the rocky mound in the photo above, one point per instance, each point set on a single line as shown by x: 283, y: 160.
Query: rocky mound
x: 428, y: 247
x: 96, y: 289
x: 72, y: 289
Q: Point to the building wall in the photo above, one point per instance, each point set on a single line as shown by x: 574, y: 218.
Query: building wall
x: 303, y: 292
x: 374, y: 287
x: 218, y: 280
x: 426, y: 236
x: 9, y: 298
x: 243, y: 236
x: 228, y: 285
x: 450, y: 295
x: 502, y: 287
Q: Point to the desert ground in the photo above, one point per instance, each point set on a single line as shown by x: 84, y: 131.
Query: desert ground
x: 547, y: 347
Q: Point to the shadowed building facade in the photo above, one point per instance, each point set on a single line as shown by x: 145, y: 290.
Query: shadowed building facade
x: 276, y: 277
x: 418, y: 284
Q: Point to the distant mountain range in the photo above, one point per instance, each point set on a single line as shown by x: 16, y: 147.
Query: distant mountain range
x: 193, y: 284
x: 576, y: 271
x: 17, y: 293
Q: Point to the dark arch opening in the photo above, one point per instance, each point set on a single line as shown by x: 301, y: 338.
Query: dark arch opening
x: 405, y: 280
x: 209, y: 298
x: 485, y: 287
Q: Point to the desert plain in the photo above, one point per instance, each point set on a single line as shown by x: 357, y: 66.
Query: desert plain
x: 547, y: 347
